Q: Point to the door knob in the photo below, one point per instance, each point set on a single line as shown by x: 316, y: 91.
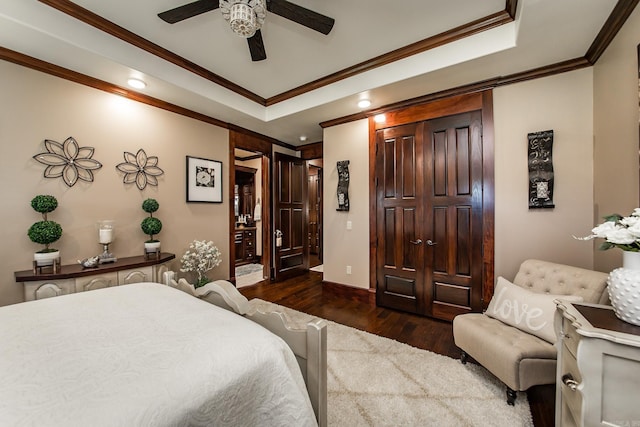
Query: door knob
x: 431, y: 243
x: 416, y: 242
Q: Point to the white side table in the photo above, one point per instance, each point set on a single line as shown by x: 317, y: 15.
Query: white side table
x: 598, y: 374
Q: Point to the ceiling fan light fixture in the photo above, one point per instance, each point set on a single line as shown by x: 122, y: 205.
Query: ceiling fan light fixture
x: 245, y: 17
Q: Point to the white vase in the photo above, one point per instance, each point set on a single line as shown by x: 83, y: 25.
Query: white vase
x: 624, y: 288
x: 45, y: 258
x: 151, y: 246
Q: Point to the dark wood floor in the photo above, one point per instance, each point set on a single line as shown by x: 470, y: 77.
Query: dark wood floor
x: 357, y: 308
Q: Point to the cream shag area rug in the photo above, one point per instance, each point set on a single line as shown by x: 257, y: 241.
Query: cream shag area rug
x: 376, y: 381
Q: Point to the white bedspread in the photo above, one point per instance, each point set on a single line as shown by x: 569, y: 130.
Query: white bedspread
x: 143, y: 355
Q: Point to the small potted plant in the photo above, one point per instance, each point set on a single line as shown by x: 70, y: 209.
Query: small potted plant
x: 45, y: 232
x: 151, y: 225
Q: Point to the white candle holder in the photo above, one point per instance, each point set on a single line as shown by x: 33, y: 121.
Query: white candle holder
x: 106, y: 234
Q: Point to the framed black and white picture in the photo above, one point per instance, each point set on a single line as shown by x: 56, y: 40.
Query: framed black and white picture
x: 204, y: 180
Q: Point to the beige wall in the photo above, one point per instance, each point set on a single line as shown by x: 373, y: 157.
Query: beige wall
x: 562, y: 103
x: 342, y: 247
x: 36, y: 107
x: 616, y: 131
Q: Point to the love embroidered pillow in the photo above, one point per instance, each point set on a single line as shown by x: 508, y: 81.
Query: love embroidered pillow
x: 528, y: 311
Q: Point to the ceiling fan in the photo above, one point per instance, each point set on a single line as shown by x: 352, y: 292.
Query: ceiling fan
x: 247, y: 16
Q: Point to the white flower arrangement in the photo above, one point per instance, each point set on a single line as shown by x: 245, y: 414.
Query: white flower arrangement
x: 201, y: 257
x: 618, y: 232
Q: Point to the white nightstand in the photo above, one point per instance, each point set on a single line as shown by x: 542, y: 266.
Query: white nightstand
x: 598, y: 374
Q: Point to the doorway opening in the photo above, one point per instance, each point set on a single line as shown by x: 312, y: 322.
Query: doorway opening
x: 250, y: 264
x: 315, y: 214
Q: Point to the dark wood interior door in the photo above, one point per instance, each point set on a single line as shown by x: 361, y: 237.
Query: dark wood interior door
x: 400, y: 194
x: 429, y: 216
x: 453, y: 216
x: 291, y: 251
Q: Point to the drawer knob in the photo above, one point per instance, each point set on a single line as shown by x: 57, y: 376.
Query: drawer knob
x: 568, y: 380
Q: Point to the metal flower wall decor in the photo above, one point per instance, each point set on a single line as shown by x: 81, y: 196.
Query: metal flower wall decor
x: 68, y: 161
x: 140, y: 169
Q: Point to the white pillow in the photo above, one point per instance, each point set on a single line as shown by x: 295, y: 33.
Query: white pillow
x: 528, y: 311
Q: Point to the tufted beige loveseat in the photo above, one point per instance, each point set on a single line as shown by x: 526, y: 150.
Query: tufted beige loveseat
x: 518, y: 359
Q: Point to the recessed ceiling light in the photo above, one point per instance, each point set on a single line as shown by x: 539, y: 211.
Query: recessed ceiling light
x: 303, y: 138
x: 379, y: 118
x: 364, y: 103
x: 136, y: 83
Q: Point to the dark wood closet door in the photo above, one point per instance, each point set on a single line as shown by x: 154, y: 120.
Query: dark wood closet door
x: 429, y: 216
x: 400, y: 201
x: 453, y: 215
x: 291, y: 257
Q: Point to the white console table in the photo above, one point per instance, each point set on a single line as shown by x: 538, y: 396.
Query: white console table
x: 598, y: 371
x: 74, y: 278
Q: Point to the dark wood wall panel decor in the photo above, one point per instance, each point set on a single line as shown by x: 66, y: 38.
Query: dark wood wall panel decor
x: 540, y: 152
x: 343, y: 185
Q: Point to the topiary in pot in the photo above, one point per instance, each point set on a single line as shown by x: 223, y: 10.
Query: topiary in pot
x: 151, y: 225
x: 45, y: 232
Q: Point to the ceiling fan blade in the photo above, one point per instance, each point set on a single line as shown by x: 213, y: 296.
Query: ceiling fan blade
x: 190, y: 10
x: 256, y: 47
x: 301, y: 15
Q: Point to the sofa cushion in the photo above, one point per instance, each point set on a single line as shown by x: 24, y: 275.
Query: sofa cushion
x: 503, y: 350
x: 550, y: 278
x: 528, y: 311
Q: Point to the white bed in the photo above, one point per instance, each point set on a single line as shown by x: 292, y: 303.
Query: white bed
x: 144, y: 355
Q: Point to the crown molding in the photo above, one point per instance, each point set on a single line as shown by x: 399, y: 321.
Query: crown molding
x: 465, y: 30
